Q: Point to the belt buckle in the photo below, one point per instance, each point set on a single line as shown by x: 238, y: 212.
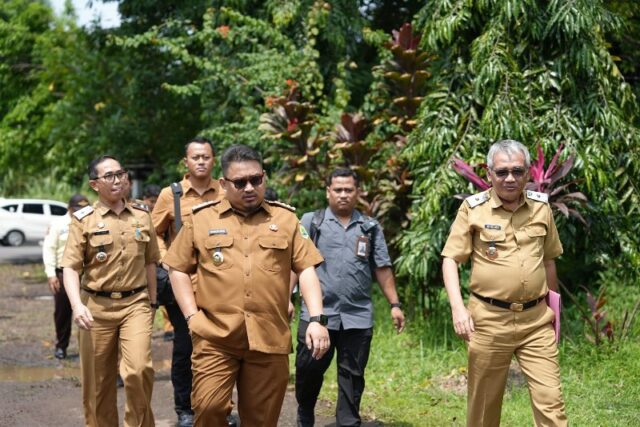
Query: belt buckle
x: 516, y: 306
x: 116, y: 295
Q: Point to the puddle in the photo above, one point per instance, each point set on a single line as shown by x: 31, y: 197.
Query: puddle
x: 37, y: 373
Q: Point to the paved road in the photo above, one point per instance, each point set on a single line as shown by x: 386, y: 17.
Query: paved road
x: 28, y: 253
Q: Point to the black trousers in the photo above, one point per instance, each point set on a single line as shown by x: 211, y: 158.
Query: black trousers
x: 181, y: 376
x: 352, y: 346
x: 62, y: 314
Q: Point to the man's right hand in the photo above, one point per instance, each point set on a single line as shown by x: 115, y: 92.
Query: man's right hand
x: 82, y: 316
x: 54, y: 284
x: 463, y: 323
x: 317, y: 339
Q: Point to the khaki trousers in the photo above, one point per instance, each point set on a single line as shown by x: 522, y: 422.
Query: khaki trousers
x: 261, y: 380
x: 500, y: 334
x: 128, y: 322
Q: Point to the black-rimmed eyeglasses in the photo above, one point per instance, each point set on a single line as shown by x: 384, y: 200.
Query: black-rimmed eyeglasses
x: 241, y: 183
x: 111, y: 176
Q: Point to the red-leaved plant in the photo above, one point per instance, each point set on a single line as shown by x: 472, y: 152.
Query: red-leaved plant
x: 541, y: 180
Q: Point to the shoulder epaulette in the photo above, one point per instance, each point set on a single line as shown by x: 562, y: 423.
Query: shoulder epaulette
x: 478, y: 199
x: 203, y: 205
x: 282, y: 205
x: 141, y: 206
x: 537, y: 196
x: 83, y: 212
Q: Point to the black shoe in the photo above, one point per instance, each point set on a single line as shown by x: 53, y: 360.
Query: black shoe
x: 232, y: 420
x: 119, y: 382
x: 306, y: 418
x: 185, y: 419
x: 60, y: 353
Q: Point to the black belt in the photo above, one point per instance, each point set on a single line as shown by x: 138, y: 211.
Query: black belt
x: 115, y: 295
x: 513, y: 306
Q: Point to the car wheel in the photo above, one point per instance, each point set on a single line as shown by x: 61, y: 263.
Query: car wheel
x: 14, y: 238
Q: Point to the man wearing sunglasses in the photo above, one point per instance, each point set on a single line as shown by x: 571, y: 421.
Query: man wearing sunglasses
x: 243, y: 250
x: 113, y: 245
x: 511, y: 238
x: 197, y: 187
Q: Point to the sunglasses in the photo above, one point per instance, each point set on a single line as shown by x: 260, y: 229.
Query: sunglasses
x: 516, y: 172
x: 241, y: 183
x: 111, y: 177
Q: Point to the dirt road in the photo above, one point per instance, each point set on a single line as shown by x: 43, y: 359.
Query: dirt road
x: 38, y: 390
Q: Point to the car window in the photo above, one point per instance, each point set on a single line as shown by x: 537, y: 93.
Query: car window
x: 58, y: 210
x: 10, y: 208
x: 33, y: 208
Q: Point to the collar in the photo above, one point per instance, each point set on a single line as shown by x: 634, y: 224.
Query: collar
x: 103, y: 209
x: 356, y: 216
x: 225, y: 206
x: 186, y: 184
x: 496, y: 202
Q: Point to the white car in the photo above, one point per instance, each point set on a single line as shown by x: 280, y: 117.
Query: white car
x: 27, y: 219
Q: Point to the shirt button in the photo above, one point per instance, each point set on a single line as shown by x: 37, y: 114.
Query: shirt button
x: 246, y: 255
x: 245, y: 237
x: 248, y: 294
x: 248, y: 314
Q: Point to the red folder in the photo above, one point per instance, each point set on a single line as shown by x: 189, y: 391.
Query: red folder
x: 554, y: 302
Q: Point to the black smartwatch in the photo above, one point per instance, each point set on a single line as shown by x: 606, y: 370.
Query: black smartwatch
x: 322, y: 319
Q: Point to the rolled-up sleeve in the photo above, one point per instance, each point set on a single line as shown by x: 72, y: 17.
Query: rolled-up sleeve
x: 459, y: 244
x: 75, y: 248
x: 181, y: 255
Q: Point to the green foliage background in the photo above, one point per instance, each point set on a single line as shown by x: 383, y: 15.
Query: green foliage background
x: 543, y: 72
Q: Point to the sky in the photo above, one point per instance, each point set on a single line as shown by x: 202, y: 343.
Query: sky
x: 108, y: 12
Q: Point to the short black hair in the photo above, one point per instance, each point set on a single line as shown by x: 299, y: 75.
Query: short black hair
x: 343, y: 172
x: 78, y: 201
x: 151, y: 190
x: 93, y: 164
x: 238, y: 153
x: 199, y: 140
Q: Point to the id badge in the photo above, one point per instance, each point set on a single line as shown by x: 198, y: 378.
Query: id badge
x: 362, y: 246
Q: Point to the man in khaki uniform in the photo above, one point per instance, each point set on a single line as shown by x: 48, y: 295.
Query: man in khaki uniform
x: 512, y: 240
x: 114, y: 246
x: 243, y: 250
x: 197, y: 187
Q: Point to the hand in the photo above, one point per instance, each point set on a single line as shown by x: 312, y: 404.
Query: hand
x: 82, y: 316
x: 398, y: 319
x: 463, y: 323
x: 317, y: 339
x: 54, y: 284
x: 291, y: 311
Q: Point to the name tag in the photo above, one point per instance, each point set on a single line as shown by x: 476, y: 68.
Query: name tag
x: 492, y: 227
x: 217, y: 231
x: 100, y: 233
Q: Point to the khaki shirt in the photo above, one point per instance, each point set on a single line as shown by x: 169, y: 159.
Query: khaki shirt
x: 163, y: 215
x: 244, y: 298
x: 54, y: 243
x: 523, y: 240
x: 128, y: 240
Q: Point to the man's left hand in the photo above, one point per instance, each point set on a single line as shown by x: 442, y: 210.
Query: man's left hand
x: 398, y: 319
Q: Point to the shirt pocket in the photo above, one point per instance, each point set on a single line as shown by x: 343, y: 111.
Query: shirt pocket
x: 537, y: 234
x: 220, y: 245
x: 497, y: 237
x: 273, y: 253
x: 141, y: 238
x: 100, y: 243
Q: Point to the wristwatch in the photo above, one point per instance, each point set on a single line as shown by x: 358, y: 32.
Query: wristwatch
x: 155, y: 305
x: 322, y: 319
x: 395, y: 305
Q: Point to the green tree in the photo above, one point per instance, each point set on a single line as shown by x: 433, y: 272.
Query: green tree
x: 538, y: 72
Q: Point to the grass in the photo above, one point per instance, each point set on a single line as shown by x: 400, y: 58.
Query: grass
x: 418, y: 378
